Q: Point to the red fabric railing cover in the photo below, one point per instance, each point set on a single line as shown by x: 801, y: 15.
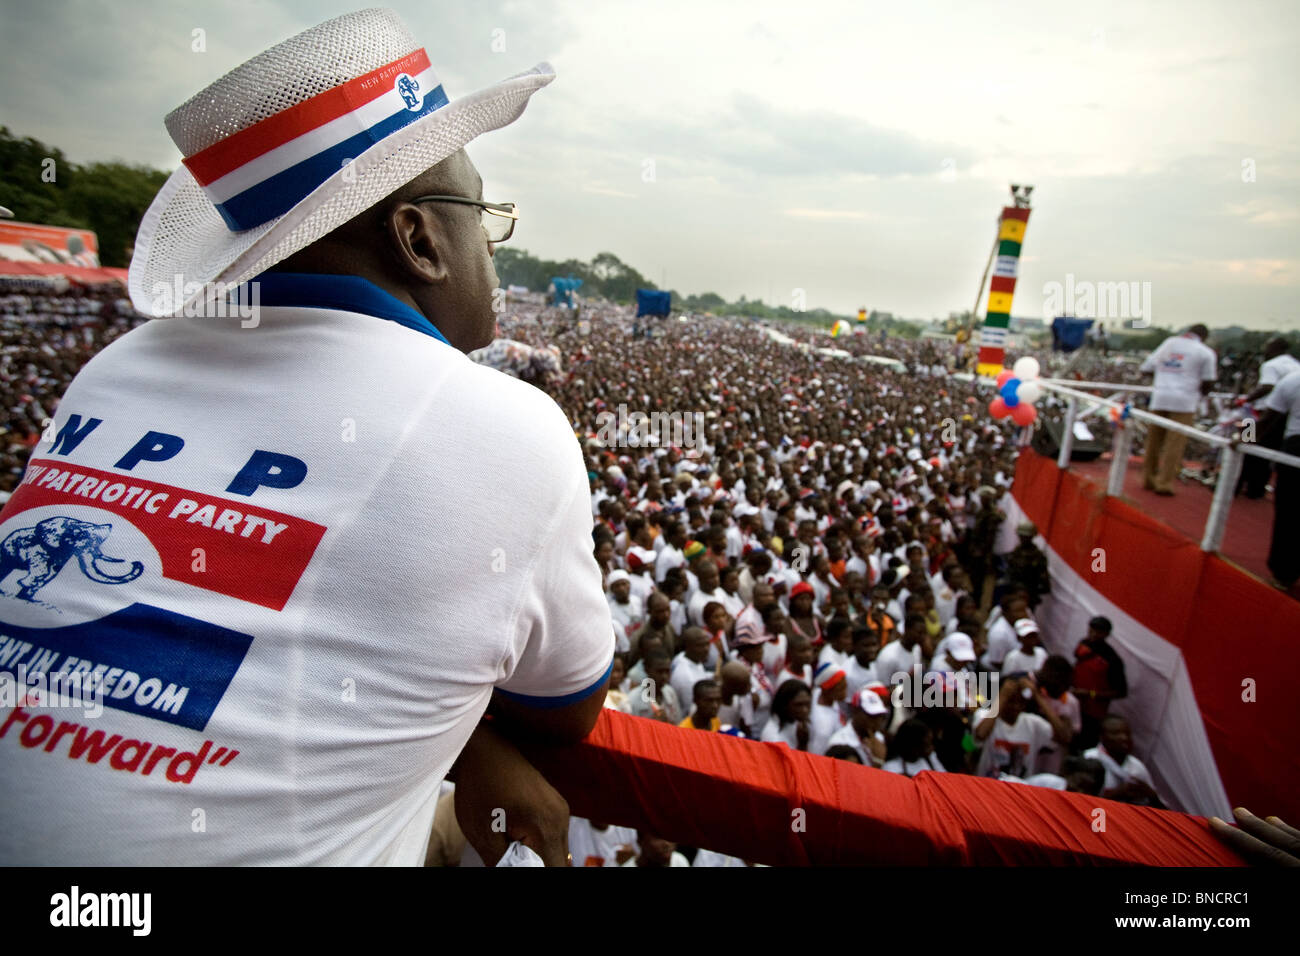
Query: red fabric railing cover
x: 742, y: 797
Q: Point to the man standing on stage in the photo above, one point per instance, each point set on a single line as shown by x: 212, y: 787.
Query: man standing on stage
x: 1185, y: 369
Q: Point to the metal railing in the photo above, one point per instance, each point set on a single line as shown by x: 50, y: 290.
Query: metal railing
x: 1231, y: 451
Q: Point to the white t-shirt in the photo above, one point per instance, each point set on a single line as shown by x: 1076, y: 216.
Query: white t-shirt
x: 1181, y: 364
x: 1012, y: 748
x: 858, y: 676
x: 848, y: 737
x: 633, y: 612
x: 1285, y: 398
x: 592, y: 847
x: 1001, y: 640
x: 1118, y: 774
x: 677, y: 860
x: 912, y: 767
x: 685, y: 674
x: 895, y: 658
x: 319, y: 587
x: 1017, y: 661
x: 1278, y: 368
x: 824, y: 721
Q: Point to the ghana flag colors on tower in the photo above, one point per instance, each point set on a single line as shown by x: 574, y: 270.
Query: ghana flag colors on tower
x: 993, y: 336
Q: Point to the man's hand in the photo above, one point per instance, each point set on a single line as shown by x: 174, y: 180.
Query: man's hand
x: 500, y: 798
x: 1268, y: 842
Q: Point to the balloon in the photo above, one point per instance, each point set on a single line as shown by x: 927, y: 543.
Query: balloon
x: 1003, y: 375
x: 1026, y: 367
x: 1024, y: 413
x: 1008, y: 392
x: 998, y: 408
x: 1029, y: 392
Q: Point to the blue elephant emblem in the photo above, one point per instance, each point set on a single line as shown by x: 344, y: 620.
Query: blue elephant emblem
x: 407, y: 86
x: 43, y: 550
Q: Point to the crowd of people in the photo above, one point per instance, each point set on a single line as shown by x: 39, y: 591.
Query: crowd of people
x: 48, y: 331
x: 825, y: 542
x: 792, y: 546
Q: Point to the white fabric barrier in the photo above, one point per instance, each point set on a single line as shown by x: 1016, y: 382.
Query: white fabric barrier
x: 1168, y: 732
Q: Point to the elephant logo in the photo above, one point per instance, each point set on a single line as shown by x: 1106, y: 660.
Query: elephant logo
x: 44, y: 549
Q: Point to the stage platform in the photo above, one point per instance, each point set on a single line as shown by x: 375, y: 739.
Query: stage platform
x: 1250, y: 522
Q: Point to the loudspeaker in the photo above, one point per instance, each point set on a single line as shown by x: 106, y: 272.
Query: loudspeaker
x: 1047, y: 442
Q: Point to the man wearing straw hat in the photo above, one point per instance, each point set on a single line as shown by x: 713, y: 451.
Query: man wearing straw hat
x: 302, y: 611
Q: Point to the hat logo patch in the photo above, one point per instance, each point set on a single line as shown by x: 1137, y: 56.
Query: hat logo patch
x: 407, y: 86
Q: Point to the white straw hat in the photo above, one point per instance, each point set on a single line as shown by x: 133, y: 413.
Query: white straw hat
x: 294, y: 143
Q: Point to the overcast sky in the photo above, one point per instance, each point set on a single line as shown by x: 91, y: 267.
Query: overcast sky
x: 857, y: 151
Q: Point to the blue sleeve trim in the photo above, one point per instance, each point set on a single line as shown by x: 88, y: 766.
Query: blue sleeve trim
x: 551, y: 703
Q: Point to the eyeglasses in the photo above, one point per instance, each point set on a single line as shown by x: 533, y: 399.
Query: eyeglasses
x: 499, y: 218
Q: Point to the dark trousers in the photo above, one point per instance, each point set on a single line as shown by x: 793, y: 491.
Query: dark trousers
x: 1255, y: 472
x: 1284, y: 555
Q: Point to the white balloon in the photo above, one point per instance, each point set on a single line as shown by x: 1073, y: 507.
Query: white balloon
x: 1029, y: 392
x: 1025, y: 368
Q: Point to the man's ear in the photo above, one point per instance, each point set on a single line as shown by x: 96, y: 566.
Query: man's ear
x: 419, y: 241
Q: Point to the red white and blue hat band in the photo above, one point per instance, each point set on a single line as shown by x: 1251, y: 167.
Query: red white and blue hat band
x: 263, y: 171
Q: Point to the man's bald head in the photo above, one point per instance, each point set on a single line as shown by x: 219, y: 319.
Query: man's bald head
x: 735, y: 679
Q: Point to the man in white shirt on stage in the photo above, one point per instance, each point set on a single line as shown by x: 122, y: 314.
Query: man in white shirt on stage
x: 1185, y: 369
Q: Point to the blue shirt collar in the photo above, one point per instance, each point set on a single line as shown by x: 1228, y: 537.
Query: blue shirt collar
x: 342, y: 293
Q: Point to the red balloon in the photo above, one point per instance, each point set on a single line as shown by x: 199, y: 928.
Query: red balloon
x: 998, y: 408
x: 1003, y: 375
x: 1024, y: 413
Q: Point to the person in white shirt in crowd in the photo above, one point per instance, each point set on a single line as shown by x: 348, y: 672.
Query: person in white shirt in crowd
x: 773, y: 620
x: 966, y: 608
x: 864, y: 561
x: 1278, y: 364
x: 1054, y: 678
x: 913, y: 750
x: 1030, y: 655
x: 957, y: 653
x: 826, y: 715
x: 749, y: 643
x: 671, y: 555
x: 599, y: 844
x: 624, y: 607
x: 906, y: 655
x: 656, y: 852
x: 677, y: 588
x: 729, y: 579
x: 658, y: 700
x: 1185, y: 369
x: 738, y: 698
x: 865, y: 730
x: 690, y: 666
x: 1282, y: 413
x: 1013, y: 738
x: 1127, y: 778
x: 838, y: 649
x: 790, y: 722
x: 953, y: 584
x: 860, y: 671
x: 710, y: 589
x: 799, y: 662
x: 640, y: 566
x: 1002, y: 637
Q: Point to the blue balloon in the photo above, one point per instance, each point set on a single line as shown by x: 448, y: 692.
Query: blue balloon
x: 1008, y: 392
